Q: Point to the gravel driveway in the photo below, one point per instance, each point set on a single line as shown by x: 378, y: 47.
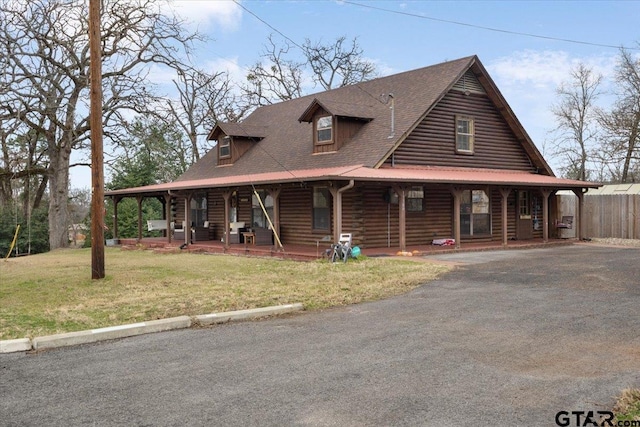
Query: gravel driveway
x: 509, y: 342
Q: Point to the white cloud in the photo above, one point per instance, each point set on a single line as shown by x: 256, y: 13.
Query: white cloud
x: 229, y: 65
x: 544, y: 69
x: 209, y: 14
x: 529, y: 79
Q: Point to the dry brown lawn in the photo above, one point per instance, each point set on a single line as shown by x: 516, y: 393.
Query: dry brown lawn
x: 53, y: 292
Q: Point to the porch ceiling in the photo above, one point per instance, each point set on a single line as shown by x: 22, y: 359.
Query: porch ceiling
x: 427, y: 175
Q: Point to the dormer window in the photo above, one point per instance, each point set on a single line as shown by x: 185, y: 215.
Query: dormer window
x: 324, y: 132
x: 225, y: 147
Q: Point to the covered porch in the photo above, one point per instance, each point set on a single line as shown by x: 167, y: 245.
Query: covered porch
x: 512, y: 206
x: 310, y: 253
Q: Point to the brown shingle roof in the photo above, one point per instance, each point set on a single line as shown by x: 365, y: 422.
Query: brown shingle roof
x: 288, y: 143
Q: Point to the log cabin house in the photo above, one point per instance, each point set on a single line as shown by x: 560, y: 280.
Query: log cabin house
x: 430, y: 154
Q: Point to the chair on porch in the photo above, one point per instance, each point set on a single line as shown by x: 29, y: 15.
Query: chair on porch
x: 200, y: 234
x: 178, y: 233
x: 263, y: 236
x: 235, y: 232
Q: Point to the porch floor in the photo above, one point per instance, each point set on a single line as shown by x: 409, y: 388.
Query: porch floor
x: 309, y: 253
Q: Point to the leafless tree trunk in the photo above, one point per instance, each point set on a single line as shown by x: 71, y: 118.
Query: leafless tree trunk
x: 575, y: 116
x: 46, y: 46
x: 202, y: 97
x: 622, y: 123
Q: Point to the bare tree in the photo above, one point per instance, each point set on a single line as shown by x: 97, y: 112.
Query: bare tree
x: 279, y: 78
x: 45, y: 44
x: 202, y: 99
x: 338, y: 64
x: 621, y: 140
x: 575, y: 115
x: 275, y: 78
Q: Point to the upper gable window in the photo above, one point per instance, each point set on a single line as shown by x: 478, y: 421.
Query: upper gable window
x: 225, y: 147
x: 464, y: 134
x: 324, y: 130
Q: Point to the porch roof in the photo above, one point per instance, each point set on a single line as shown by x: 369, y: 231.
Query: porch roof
x: 426, y: 175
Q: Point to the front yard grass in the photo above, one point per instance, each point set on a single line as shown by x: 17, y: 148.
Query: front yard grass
x: 53, y: 293
x: 627, y: 408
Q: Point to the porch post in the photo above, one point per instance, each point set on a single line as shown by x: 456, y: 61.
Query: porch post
x: 579, y: 216
x: 402, y: 216
x: 336, y: 194
x: 167, y: 214
x: 139, y: 200
x: 187, y: 219
x: 457, y: 195
x: 227, y: 202
x: 116, y: 200
x: 275, y: 195
x: 337, y: 212
x: 545, y: 214
x: 504, y: 193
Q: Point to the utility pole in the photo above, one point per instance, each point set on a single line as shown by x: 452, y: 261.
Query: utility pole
x: 97, y: 154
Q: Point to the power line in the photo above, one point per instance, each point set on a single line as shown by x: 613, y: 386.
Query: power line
x: 293, y: 42
x: 497, y: 30
x: 267, y: 24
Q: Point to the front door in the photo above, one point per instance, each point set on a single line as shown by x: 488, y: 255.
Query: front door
x: 523, y: 220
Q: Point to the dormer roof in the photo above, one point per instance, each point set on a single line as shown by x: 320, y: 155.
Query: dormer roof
x: 243, y: 130
x: 338, y: 109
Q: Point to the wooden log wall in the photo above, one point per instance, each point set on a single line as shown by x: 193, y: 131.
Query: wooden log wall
x: 382, y: 218
x: 432, y: 143
x: 215, y: 215
x: 380, y: 226
x: 296, y: 214
x: 353, y: 212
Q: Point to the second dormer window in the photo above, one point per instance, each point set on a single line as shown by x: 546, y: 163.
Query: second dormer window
x: 225, y: 147
x: 324, y: 127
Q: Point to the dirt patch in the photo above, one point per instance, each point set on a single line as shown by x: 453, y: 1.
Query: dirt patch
x: 635, y: 243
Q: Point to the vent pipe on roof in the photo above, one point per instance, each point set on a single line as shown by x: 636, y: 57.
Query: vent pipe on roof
x: 393, y: 116
x: 385, y: 99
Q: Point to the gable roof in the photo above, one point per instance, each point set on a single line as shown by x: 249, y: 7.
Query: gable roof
x: 288, y: 143
x: 283, y: 151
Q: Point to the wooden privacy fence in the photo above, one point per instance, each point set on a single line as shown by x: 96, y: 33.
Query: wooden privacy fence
x: 612, y: 215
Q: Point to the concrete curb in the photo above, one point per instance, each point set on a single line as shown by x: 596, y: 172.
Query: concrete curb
x: 254, y: 313
x: 110, y: 333
x: 123, y: 331
x: 10, y: 346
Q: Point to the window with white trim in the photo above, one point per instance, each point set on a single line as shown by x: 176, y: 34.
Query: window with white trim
x: 258, y: 218
x: 475, y: 213
x: 464, y: 134
x: 225, y: 147
x: 324, y: 130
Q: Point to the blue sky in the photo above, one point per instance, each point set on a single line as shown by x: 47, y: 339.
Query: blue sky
x: 413, y: 34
